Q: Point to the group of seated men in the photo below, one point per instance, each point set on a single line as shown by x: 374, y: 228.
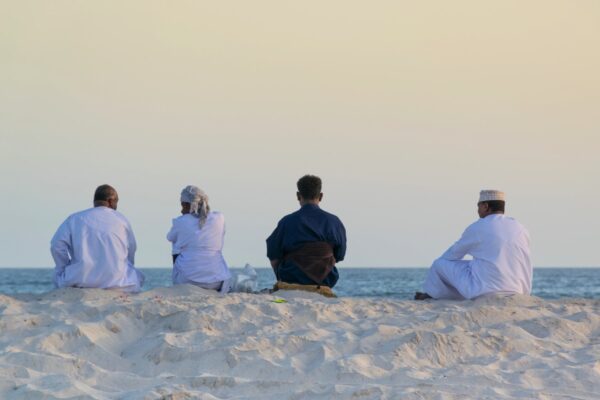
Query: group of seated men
x: 96, y: 248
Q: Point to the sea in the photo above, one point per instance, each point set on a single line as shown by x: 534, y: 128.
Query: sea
x: 398, y: 283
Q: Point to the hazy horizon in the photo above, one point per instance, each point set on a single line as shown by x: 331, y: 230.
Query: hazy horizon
x: 406, y: 110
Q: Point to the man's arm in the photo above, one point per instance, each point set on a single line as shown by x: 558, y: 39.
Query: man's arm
x: 275, y: 246
x: 60, y: 248
x: 132, y: 245
x: 172, y: 234
x: 339, y: 249
x: 274, y: 264
x: 463, y: 246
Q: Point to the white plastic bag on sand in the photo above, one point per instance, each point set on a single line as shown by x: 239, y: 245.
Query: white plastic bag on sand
x: 245, y: 281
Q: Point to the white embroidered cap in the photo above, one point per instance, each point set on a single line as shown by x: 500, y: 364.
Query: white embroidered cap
x: 491, y: 195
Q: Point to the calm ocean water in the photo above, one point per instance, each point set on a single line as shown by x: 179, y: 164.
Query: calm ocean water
x: 549, y: 283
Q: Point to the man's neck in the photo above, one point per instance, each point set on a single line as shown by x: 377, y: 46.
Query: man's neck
x: 101, y: 203
x: 311, y: 202
x: 494, y: 213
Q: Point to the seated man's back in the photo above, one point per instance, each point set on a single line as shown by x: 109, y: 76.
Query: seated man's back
x: 502, y: 242
x: 306, y: 244
x: 95, y: 248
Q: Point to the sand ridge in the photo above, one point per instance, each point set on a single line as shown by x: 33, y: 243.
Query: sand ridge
x: 185, y: 343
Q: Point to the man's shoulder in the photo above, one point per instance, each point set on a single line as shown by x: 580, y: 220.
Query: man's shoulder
x: 505, y: 219
x: 292, y: 215
x: 180, y: 219
x: 119, y: 216
x: 332, y: 219
x: 109, y: 214
x: 502, y: 222
x: 218, y: 215
x: 476, y: 225
x: 80, y: 214
x: 298, y: 214
x: 313, y: 210
x: 286, y: 218
x: 516, y: 223
x: 331, y: 216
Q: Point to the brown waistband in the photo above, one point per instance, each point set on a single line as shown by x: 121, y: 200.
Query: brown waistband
x: 315, y: 259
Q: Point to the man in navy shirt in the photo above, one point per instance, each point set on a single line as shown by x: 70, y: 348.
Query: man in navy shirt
x: 306, y: 244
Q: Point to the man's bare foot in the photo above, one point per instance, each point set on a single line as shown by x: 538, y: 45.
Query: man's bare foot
x: 422, y: 296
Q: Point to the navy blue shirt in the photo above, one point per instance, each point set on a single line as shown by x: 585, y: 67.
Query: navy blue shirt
x: 308, y: 224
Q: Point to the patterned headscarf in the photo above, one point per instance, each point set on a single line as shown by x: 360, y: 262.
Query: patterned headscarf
x: 198, y: 200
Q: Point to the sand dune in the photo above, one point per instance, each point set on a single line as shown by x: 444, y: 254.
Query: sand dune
x: 185, y: 342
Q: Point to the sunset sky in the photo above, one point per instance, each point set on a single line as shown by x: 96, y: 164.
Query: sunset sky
x: 405, y: 109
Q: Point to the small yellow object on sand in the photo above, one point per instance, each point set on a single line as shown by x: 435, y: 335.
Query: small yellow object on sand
x: 279, y: 301
x: 322, y: 290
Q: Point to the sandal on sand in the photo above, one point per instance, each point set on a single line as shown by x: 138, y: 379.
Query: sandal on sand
x: 422, y: 296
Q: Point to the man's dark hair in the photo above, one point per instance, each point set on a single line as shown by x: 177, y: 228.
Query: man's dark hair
x: 104, y: 193
x: 495, y: 205
x: 309, y: 187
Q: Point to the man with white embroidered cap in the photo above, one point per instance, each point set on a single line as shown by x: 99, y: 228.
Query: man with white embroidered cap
x: 499, y: 247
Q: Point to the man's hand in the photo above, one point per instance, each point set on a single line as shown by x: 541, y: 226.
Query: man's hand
x: 274, y: 264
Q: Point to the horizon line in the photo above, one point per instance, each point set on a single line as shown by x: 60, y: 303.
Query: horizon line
x: 342, y: 267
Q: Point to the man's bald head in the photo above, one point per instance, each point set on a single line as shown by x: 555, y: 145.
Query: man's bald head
x: 106, y: 196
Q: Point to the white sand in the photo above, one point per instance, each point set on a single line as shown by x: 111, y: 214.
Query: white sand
x: 180, y: 343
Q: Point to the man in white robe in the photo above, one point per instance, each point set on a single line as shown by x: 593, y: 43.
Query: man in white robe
x: 198, y: 236
x: 95, y: 248
x: 499, y: 247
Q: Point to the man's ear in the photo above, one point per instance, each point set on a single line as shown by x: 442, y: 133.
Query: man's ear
x: 486, y: 208
x: 112, y: 203
x: 320, y: 196
x: 298, y: 196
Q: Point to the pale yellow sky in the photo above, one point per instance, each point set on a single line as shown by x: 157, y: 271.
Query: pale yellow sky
x: 406, y: 110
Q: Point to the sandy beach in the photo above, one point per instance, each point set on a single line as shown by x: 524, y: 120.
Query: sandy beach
x: 187, y: 343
